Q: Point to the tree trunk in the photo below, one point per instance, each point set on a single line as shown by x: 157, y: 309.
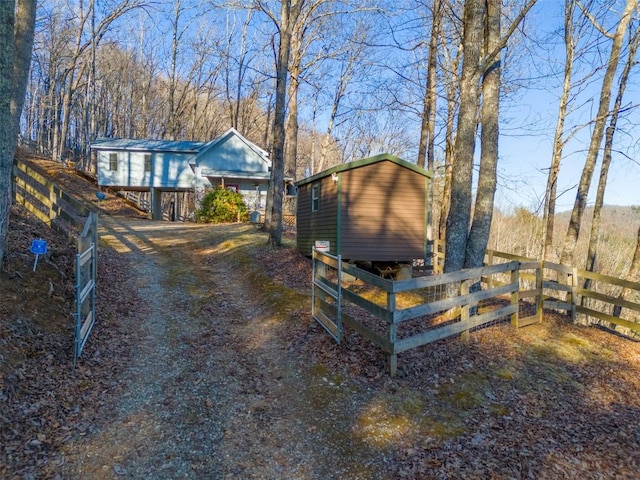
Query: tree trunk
x: 288, y: 15
x: 558, y: 141
x: 17, y: 22
x: 580, y: 204
x: 428, y: 127
x: 291, y: 128
x: 452, y: 95
x: 592, y: 252
x: 483, y: 210
x: 464, y: 147
x: 171, y: 127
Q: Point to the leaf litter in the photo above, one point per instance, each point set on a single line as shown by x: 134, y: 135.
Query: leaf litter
x: 205, y: 363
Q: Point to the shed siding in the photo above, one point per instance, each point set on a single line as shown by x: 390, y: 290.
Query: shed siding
x: 383, y: 213
x: 319, y: 225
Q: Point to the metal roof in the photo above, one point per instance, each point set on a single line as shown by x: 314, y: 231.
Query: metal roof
x: 147, y: 145
x: 364, y: 162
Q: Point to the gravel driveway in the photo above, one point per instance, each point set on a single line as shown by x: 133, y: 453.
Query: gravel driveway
x: 211, y: 391
x: 229, y: 378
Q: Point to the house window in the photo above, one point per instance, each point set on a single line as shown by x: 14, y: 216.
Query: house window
x: 147, y: 162
x: 113, y: 162
x: 315, y: 197
x: 232, y: 187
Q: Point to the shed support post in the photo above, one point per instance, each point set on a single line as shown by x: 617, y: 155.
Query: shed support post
x: 392, y: 334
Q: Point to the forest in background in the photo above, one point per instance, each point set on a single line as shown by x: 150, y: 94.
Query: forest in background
x: 430, y: 81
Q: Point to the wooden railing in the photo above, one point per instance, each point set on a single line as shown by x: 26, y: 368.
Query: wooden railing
x: 588, y: 297
x: 401, y: 315
x: 47, y: 201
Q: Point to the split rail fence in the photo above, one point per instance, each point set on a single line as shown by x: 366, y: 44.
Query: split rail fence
x: 400, y: 315
x: 60, y: 211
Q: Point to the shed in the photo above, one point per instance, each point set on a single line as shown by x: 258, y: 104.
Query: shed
x: 374, y: 209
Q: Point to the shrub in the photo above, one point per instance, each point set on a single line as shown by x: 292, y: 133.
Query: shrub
x: 222, y: 205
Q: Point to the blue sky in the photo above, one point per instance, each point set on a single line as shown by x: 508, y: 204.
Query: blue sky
x: 526, y: 149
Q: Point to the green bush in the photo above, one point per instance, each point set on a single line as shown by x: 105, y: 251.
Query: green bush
x: 222, y: 205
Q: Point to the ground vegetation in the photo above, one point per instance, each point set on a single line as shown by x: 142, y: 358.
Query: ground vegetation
x: 205, y: 363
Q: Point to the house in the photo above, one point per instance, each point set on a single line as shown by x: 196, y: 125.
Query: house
x: 160, y: 166
x: 370, y: 210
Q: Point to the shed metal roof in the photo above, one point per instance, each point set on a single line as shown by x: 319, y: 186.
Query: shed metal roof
x: 364, y: 162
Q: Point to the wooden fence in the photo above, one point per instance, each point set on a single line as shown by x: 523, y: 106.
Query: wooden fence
x: 404, y: 314
x: 587, y: 297
x: 401, y: 315
x: 50, y: 204
x: 47, y: 201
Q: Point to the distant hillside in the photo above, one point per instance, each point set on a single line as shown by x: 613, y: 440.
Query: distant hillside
x: 617, y: 220
x: 522, y: 234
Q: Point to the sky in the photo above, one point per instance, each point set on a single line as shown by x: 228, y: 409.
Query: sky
x: 525, y: 150
x: 529, y: 116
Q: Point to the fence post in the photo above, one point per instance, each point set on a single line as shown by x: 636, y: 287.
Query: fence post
x: 515, y: 296
x: 393, y: 333
x: 574, y: 292
x: 464, y: 310
x: 489, y: 263
x: 539, y: 295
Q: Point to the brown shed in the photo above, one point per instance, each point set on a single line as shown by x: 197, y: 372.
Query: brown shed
x: 374, y: 209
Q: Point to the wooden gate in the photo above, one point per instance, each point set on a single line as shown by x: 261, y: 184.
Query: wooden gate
x: 326, y: 295
x: 86, y: 274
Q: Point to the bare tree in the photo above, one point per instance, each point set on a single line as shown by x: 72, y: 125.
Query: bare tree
x: 289, y: 13
x: 558, y: 141
x: 483, y: 209
x: 580, y: 204
x: 426, y: 146
x: 461, y: 179
x: 17, y: 21
x: 71, y: 76
x: 592, y: 251
x: 241, y: 60
x: 459, y: 245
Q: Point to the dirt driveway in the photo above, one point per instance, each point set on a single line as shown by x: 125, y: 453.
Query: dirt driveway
x: 212, y: 390
x: 227, y: 377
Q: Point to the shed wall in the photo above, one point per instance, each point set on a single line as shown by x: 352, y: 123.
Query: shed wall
x: 383, y: 213
x: 319, y: 225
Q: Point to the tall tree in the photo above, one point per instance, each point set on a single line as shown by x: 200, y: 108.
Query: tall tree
x: 592, y: 250
x: 464, y: 147
x: 558, y: 140
x: 461, y: 248
x: 72, y: 73
x: 17, y: 21
x: 426, y: 146
x: 600, y: 120
x: 289, y: 13
x: 483, y: 210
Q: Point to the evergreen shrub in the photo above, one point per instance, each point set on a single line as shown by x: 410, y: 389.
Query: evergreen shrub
x: 222, y: 205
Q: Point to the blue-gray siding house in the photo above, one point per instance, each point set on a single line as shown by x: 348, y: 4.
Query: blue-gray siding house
x: 157, y: 166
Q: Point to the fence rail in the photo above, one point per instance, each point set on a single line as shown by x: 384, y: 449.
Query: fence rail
x: 47, y: 201
x: 588, y: 297
x: 59, y: 210
x: 401, y: 315
x: 509, y: 288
